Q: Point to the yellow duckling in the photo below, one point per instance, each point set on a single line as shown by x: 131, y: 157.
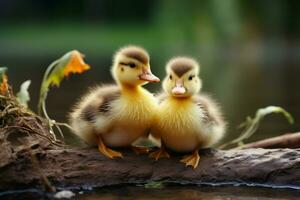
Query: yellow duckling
x: 117, y: 115
x: 187, y: 121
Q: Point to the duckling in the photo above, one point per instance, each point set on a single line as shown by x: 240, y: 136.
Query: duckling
x: 187, y: 121
x: 112, y: 116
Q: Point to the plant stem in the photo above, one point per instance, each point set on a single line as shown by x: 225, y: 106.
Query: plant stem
x: 44, y: 108
x: 66, y: 125
x: 43, y: 97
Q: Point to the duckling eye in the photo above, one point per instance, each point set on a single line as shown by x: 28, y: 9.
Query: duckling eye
x: 170, y: 77
x: 132, y: 65
x: 191, y: 77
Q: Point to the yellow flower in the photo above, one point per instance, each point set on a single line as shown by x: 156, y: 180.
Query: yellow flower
x: 71, y: 62
x: 76, y: 64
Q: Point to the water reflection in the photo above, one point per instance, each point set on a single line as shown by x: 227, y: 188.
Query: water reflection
x: 169, y: 192
x: 190, y: 192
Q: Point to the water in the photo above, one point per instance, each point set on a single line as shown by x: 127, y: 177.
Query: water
x: 170, y: 193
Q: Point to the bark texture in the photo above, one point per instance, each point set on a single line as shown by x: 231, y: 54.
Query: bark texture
x: 87, y: 168
x: 30, y: 157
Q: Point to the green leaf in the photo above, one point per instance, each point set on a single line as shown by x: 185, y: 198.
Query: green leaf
x: 275, y: 109
x: 154, y: 185
x: 23, y: 96
x: 57, y: 74
x: 3, y: 71
x: 71, y: 62
x: 251, y: 124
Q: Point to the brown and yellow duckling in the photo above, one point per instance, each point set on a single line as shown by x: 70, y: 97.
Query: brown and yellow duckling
x: 113, y: 116
x: 187, y: 120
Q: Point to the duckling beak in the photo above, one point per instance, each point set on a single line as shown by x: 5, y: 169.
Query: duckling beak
x: 179, y: 89
x: 148, y: 76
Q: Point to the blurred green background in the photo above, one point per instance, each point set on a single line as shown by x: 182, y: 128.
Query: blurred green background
x: 249, y: 51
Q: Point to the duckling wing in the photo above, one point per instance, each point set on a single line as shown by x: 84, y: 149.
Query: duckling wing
x: 96, y: 103
x: 210, y: 108
x: 213, y: 121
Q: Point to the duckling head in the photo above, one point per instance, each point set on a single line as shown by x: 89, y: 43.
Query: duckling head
x: 131, y: 67
x: 182, y: 78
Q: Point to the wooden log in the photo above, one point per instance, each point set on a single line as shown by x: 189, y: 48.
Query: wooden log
x: 290, y: 140
x: 77, y: 167
x: 30, y: 157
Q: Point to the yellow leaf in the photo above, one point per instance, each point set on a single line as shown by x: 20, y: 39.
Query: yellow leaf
x: 4, y: 85
x: 72, y: 62
x: 76, y: 64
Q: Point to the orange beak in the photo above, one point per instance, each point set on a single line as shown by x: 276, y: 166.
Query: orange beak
x: 179, y: 89
x: 148, y: 76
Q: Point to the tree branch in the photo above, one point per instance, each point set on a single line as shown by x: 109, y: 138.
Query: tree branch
x: 86, y: 167
x: 290, y: 140
x: 25, y: 137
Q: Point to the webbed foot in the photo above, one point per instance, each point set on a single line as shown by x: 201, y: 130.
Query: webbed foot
x: 161, y: 153
x: 107, y: 151
x: 192, y: 159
